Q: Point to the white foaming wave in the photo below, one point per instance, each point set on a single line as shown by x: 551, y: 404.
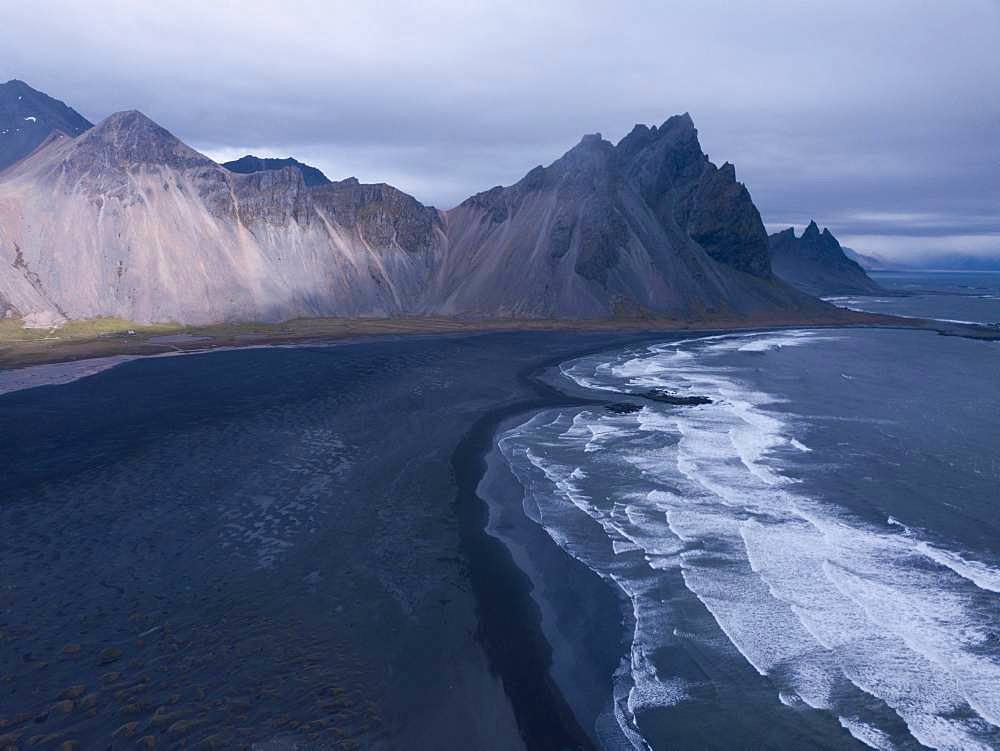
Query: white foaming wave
x: 868, y: 734
x: 983, y: 576
x: 548, y: 509
x: 566, y: 483
x: 933, y: 622
x: 764, y: 341
x: 603, y: 375
x: 755, y: 436
x: 703, y: 459
x: 743, y: 603
x: 649, y: 688
x: 891, y: 658
x: 600, y: 433
x: 789, y: 699
x: 654, y: 691
x: 769, y: 343
x: 637, y: 684
x: 620, y: 547
x: 812, y: 598
x: 596, y: 431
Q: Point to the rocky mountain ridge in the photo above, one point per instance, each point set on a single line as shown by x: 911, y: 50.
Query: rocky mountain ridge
x: 249, y: 163
x: 817, y: 264
x: 125, y: 220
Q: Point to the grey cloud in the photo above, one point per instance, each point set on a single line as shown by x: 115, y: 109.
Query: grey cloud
x: 828, y: 110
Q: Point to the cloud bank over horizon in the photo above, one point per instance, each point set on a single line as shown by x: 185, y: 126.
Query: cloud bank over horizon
x: 881, y: 121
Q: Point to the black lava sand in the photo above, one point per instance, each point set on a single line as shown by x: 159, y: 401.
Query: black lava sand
x: 279, y: 548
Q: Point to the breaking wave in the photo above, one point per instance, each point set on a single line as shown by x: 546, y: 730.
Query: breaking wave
x: 873, y: 623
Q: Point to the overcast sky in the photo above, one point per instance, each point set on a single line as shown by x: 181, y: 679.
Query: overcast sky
x: 881, y: 119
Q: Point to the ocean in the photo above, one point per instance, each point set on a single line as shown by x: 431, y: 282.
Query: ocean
x: 952, y: 296
x: 810, y: 560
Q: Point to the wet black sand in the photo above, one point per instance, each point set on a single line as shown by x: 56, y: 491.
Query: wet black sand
x: 281, y: 547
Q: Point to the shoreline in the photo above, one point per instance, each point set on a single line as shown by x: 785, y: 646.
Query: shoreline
x: 514, y: 640
x: 17, y: 354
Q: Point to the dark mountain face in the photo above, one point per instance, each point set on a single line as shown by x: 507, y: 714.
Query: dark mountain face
x: 28, y: 117
x: 692, y: 199
x: 815, y: 263
x: 249, y: 164
x: 647, y: 226
x: 685, y: 189
x: 384, y: 215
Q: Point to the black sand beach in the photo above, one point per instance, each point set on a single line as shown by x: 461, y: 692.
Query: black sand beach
x: 280, y: 547
x: 292, y: 547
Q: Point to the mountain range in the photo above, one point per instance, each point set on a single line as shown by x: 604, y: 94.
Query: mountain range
x: 867, y: 261
x: 938, y: 262
x: 122, y: 219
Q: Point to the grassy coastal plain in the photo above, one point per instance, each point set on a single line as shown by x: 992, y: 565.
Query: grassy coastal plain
x: 107, y: 337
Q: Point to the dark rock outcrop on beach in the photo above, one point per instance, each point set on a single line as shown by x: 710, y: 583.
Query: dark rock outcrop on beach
x: 125, y: 220
x: 669, y: 397
x: 817, y: 264
x: 249, y: 164
x: 28, y: 117
x: 623, y: 408
x: 661, y: 395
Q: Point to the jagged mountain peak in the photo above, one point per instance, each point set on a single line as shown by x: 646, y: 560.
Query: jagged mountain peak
x: 812, y: 235
x: 678, y: 123
x: 589, y: 146
x: 648, y: 223
x: 591, y: 153
x: 675, y: 131
x: 817, y: 264
x: 691, y: 198
x: 128, y: 139
x: 130, y: 124
x: 593, y: 139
